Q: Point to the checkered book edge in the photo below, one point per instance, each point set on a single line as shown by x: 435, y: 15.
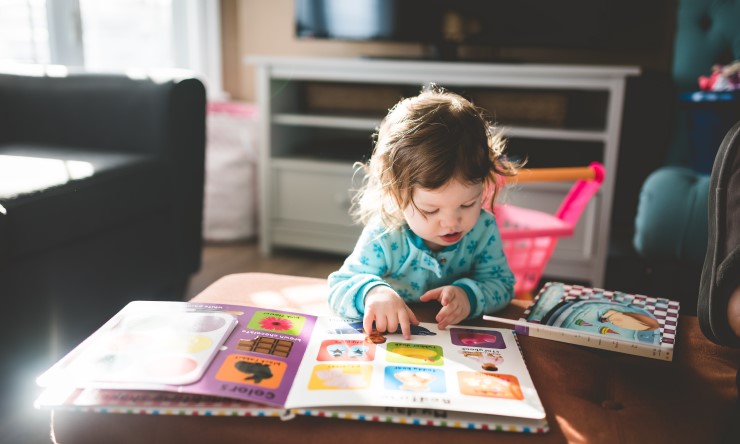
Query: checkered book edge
x: 664, y: 310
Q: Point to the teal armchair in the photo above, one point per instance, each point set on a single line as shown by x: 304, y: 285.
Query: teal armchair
x: 671, y: 221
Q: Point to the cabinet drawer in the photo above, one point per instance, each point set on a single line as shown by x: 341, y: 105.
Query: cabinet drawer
x: 311, y: 196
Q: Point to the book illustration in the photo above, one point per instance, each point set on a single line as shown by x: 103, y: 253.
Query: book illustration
x: 417, y: 379
x: 429, y: 371
x: 462, y: 336
x: 268, y: 346
x: 340, y: 377
x: 261, y: 372
x: 488, y: 385
x: 489, y: 359
x: 416, y: 354
x: 630, y: 323
x: 156, y: 348
x: 299, y: 362
x: 346, y: 350
x: 594, y: 313
x: 270, y: 321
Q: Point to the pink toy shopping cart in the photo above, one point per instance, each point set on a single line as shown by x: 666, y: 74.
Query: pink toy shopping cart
x: 529, y: 236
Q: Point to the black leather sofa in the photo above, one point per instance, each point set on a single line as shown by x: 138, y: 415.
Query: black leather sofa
x: 101, y: 200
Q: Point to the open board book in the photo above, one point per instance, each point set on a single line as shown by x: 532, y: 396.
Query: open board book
x: 211, y: 359
x: 610, y: 320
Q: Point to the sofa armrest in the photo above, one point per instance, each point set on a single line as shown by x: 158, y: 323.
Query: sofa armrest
x: 671, y: 221
x: 104, y: 112
x: 114, y: 113
x: 185, y: 151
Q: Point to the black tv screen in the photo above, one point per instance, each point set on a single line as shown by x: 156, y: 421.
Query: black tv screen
x: 612, y: 25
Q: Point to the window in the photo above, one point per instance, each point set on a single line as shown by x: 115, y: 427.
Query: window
x: 115, y: 35
x: 23, y: 31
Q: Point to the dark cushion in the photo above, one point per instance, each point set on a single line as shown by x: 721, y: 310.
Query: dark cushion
x: 104, y: 191
x: 103, y: 112
x: 671, y: 222
x: 162, y: 117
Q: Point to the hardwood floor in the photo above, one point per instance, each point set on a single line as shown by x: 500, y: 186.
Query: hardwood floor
x: 220, y: 259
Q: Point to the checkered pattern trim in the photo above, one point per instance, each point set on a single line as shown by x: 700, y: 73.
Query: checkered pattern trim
x: 664, y: 310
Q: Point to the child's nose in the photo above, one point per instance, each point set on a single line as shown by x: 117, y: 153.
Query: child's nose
x: 451, y: 219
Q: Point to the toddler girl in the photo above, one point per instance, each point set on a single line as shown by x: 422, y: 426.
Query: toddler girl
x: 437, y: 160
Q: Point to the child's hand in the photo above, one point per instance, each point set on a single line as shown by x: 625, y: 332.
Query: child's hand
x: 455, y: 304
x: 388, y: 310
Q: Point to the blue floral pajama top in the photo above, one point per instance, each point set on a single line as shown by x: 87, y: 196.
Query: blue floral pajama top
x: 400, y: 260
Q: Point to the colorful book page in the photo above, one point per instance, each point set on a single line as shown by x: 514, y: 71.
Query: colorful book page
x: 466, y: 369
x: 291, y: 361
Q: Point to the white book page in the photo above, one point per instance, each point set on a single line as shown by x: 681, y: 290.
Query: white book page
x: 466, y: 369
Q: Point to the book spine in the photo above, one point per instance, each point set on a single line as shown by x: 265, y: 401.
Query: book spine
x: 573, y: 337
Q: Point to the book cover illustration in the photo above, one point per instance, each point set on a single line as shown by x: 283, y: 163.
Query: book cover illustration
x: 301, y: 363
x: 614, y: 320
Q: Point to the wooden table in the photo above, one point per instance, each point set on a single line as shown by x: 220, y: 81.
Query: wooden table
x: 589, y: 395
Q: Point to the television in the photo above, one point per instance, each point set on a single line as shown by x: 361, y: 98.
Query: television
x: 635, y: 26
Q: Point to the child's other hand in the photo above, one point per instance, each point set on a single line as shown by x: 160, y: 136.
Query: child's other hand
x: 388, y: 310
x: 455, y: 304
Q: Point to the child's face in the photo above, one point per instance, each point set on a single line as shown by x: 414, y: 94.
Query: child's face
x: 444, y: 215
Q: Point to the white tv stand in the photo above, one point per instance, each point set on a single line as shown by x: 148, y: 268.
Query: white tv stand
x: 305, y: 191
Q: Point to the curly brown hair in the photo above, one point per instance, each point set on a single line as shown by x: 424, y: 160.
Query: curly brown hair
x: 425, y: 141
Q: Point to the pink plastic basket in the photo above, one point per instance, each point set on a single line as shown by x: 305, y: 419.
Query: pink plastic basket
x: 529, y: 236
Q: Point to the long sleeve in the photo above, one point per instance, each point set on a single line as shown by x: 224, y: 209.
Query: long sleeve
x: 490, y: 280
x: 361, y: 271
x: 401, y: 260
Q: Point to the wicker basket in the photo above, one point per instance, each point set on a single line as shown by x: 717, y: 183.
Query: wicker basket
x: 524, y: 108
x: 360, y: 99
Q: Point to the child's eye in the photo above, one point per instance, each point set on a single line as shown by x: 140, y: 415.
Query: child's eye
x: 470, y: 205
x: 429, y: 213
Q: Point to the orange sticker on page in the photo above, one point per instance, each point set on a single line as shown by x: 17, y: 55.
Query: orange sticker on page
x: 250, y: 370
x: 489, y: 385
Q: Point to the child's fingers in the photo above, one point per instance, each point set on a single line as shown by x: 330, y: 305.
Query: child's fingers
x: 441, y: 317
x: 403, y: 319
x: 445, y: 317
x: 446, y: 297
x: 411, y: 316
x: 367, y: 323
x: 433, y: 294
x: 449, y: 315
x: 380, y: 323
x: 391, y: 323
